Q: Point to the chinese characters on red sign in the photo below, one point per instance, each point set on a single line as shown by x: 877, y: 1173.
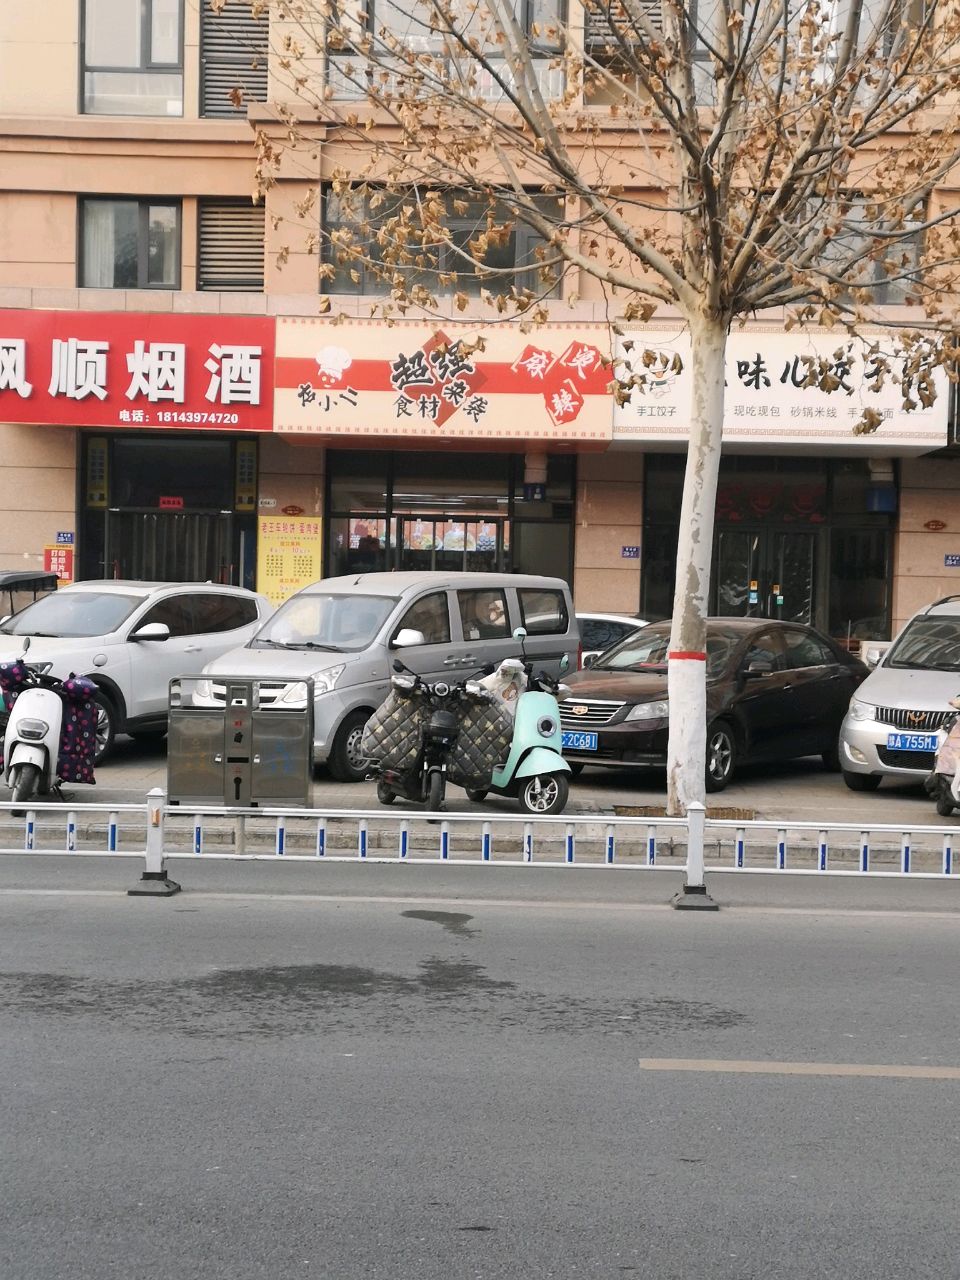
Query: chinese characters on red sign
x: 126, y: 369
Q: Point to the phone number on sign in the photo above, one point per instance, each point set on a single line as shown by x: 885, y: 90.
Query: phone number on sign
x: 227, y: 418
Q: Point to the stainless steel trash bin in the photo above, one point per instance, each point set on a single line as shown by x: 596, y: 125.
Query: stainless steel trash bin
x: 234, y: 741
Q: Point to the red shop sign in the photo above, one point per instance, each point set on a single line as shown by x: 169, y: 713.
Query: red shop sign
x: 171, y: 504
x: 138, y: 370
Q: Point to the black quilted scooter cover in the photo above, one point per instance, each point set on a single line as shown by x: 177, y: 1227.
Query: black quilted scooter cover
x: 482, y: 743
x: 391, y: 736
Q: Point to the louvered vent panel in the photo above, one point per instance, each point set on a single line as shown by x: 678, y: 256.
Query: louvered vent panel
x: 605, y: 17
x: 233, y: 55
x: 231, y: 246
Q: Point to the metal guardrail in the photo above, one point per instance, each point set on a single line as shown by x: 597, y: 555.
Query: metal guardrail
x: 159, y: 833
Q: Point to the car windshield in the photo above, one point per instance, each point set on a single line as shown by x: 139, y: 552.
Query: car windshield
x: 73, y: 613
x: 317, y: 620
x: 646, y: 650
x: 928, y: 644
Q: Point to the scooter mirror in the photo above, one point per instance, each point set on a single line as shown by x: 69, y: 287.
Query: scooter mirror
x: 398, y: 665
x: 564, y: 663
x: 520, y: 634
x: 26, y: 644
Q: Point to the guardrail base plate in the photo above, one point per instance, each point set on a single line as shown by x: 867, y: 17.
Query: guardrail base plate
x: 694, y: 898
x: 154, y: 884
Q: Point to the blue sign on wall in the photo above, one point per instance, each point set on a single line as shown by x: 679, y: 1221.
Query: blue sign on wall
x: 630, y: 553
x: 64, y: 539
x: 952, y: 561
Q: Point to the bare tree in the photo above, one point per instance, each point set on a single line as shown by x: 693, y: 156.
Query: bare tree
x: 719, y: 157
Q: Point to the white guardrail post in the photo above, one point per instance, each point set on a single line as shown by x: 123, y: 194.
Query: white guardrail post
x: 693, y: 896
x: 155, y: 883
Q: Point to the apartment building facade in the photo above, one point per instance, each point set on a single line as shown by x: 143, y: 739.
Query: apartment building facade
x: 176, y: 403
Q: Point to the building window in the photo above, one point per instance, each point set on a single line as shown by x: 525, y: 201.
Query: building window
x: 357, y: 227
x: 231, y: 246
x: 234, y: 47
x: 129, y: 244
x: 133, y: 57
x: 381, y: 22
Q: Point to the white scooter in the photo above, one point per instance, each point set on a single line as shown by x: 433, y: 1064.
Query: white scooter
x: 33, y: 741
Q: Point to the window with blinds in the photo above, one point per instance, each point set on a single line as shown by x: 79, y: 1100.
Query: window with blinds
x: 231, y: 246
x: 233, y: 58
x: 605, y: 18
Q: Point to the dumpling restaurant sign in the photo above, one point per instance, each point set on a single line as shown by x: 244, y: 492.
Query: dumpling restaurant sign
x: 443, y: 380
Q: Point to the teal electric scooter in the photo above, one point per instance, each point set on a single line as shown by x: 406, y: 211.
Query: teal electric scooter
x: 535, y: 771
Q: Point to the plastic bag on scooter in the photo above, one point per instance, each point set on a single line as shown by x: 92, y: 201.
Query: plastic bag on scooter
x: 391, y: 736
x: 482, y: 743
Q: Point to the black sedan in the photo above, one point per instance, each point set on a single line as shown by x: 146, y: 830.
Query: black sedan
x: 775, y: 690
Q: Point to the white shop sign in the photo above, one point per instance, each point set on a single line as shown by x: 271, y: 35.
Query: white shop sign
x: 765, y: 406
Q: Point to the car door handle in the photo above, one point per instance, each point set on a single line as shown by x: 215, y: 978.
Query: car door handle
x: 451, y: 662
x: 193, y: 648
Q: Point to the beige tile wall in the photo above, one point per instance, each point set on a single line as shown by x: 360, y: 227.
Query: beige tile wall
x: 38, y: 478
x: 39, y: 67
x: 609, y: 515
x: 930, y: 491
x: 292, y: 474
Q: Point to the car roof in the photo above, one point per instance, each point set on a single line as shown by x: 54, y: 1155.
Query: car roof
x: 947, y: 607
x: 635, y: 619
x: 395, y: 584
x: 132, y: 586
x: 746, y: 625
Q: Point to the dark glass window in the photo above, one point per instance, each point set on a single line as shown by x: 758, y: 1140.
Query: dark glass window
x: 129, y: 244
x: 199, y: 471
x: 806, y: 650
x: 431, y: 615
x: 222, y: 613
x: 176, y: 612
x: 483, y: 614
x: 133, y: 57
x: 543, y: 612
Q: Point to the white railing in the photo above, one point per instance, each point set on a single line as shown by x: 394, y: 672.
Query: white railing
x: 158, y: 833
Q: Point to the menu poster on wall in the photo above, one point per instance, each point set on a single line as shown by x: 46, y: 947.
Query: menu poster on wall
x: 289, y: 555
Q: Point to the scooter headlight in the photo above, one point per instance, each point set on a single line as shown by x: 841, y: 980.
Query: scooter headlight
x: 546, y: 726
x: 32, y: 730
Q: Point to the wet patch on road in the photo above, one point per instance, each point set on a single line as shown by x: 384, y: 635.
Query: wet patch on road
x: 290, y: 1000
x: 454, y: 922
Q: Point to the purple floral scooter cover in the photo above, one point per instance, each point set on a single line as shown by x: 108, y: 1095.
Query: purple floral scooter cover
x: 78, y: 732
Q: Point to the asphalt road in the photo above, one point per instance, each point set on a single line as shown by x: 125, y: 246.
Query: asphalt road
x: 801, y: 789
x: 391, y: 1081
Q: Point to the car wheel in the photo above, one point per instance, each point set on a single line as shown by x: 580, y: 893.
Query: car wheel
x: 545, y: 793
x: 861, y: 781
x: 347, y: 762
x: 831, y: 760
x: 106, y: 727
x: 721, y: 756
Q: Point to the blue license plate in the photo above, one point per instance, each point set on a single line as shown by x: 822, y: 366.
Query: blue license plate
x: 573, y: 740
x: 912, y: 741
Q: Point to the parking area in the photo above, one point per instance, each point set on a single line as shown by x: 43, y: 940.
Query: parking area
x: 801, y: 789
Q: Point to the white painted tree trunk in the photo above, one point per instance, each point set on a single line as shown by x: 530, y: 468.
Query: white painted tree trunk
x: 686, y: 666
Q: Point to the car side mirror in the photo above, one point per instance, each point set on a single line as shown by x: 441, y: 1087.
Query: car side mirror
x: 152, y: 631
x: 757, y: 669
x: 406, y: 638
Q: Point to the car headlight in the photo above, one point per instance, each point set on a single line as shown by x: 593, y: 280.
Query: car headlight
x: 323, y: 682
x: 862, y: 710
x: 649, y: 710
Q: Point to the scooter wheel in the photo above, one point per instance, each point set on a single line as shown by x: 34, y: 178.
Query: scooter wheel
x: 435, y: 790
x: 384, y: 794
x: 476, y: 796
x: 945, y: 806
x: 26, y: 782
x: 544, y: 793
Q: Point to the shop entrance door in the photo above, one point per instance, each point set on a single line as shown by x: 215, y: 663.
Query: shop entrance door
x: 765, y: 573
x: 171, y: 546
x: 477, y: 544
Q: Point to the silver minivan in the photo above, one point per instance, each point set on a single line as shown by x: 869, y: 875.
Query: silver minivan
x: 345, y: 633
x: 890, y: 729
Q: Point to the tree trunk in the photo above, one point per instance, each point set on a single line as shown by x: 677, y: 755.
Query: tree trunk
x: 686, y: 666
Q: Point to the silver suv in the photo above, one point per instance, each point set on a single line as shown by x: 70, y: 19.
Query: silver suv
x: 890, y: 729
x: 132, y: 638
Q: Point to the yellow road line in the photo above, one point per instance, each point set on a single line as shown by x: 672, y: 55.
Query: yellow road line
x: 722, y: 1066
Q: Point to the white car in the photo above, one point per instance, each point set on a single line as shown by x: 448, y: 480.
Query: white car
x: 132, y: 639
x: 598, y: 631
